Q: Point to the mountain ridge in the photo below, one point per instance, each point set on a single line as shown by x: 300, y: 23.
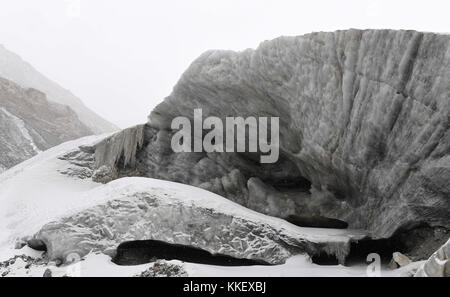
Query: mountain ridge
x: 30, y: 123
x: 16, y: 69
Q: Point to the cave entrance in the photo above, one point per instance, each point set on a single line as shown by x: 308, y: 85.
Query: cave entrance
x: 324, y: 259
x: 359, y: 252
x: 417, y: 242
x: 361, y: 249
x: 146, y: 251
x: 37, y: 245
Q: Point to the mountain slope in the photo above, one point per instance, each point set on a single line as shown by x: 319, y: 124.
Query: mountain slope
x: 12, y: 67
x: 30, y: 124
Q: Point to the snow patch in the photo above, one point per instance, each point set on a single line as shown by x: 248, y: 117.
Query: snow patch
x: 34, y: 193
x: 21, y: 125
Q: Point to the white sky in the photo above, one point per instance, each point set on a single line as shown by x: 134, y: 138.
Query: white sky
x: 122, y: 57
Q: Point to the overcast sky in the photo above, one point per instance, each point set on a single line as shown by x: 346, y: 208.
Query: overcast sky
x: 122, y: 57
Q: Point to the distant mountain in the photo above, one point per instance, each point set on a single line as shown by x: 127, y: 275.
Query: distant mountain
x: 12, y: 67
x: 30, y: 123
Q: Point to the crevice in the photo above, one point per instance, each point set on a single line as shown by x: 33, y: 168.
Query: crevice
x: 361, y: 249
x: 298, y: 184
x: 324, y: 259
x: 37, y: 244
x: 316, y: 222
x: 418, y: 241
x: 146, y: 251
x: 407, y: 63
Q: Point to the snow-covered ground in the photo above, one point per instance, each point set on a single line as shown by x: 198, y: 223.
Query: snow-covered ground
x: 22, y: 127
x: 100, y: 265
x: 35, y: 193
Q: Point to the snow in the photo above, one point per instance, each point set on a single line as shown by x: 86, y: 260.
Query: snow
x: 100, y: 265
x: 21, y: 125
x: 34, y: 193
x: 9, y: 253
x: 299, y: 265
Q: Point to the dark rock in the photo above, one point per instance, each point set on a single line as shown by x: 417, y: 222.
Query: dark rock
x: 47, y: 273
x: 164, y: 269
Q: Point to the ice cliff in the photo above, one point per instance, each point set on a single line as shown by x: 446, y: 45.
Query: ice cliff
x: 364, y: 129
x: 364, y: 144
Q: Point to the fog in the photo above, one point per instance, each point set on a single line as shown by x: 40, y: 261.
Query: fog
x: 123, y: 57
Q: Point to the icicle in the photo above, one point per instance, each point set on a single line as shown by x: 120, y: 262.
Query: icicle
x: 122, y: 144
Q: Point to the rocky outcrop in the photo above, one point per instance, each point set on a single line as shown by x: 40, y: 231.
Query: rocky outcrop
x: 30, y: 123
x: 438, y: 265
x: 364, y: 129
x: 164, y: 269
x: 137, y: 209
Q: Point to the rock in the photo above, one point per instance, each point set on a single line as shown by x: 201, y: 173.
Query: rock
x: 438, y: 265
x: 47, y: 273
x: 400, y: 259
x: 104, y: 174
x: 81, y: 161
x: 137, y: 209
x: 364, y: 129
x: 164, y: 269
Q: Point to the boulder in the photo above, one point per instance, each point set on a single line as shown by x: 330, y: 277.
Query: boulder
x: 47, y: 273
x: 400, y: 259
